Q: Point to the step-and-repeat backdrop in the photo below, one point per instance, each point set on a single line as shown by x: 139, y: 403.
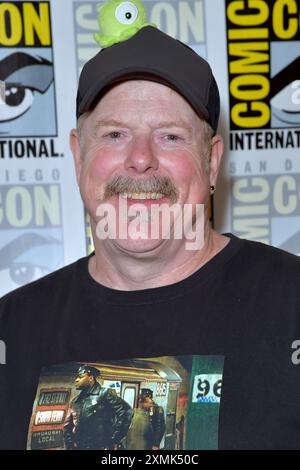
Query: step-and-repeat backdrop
x: 253, y: 47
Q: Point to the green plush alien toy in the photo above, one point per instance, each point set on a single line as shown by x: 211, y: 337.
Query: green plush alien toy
x: 119, y: 20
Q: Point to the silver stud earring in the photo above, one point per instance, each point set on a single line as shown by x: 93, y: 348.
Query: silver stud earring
x: 212, y: 189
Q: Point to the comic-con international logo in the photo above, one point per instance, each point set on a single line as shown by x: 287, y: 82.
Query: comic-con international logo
x: 31, y: 238
x: 263, y: 64
x: 26, y: 68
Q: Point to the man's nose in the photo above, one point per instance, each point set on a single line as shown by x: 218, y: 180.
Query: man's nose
x: 141, y: 156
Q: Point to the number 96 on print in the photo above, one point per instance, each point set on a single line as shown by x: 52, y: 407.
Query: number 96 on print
x: 207, y: 388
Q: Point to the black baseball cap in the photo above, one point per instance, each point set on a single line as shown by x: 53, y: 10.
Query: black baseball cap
x: 89, y: 370
x: 146, y: 392
x: 152, y: 55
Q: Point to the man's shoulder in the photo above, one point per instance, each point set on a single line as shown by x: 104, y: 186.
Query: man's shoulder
x: 159, y: 409
x: 263, y: 256
x: 54, y: 284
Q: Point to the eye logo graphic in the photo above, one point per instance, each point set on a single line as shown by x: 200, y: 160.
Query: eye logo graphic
x: 2, y: 92
x: 26, y: 258
x: 31, y: 238
x: 29, y: 92
x: 26, y: 69
x: 23, y: 75
x: 285, y: 95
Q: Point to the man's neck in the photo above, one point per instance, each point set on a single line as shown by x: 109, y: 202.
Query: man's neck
x: 123, y: 272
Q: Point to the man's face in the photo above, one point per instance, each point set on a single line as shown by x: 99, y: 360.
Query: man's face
x: 141, y: 130
x: 84, y: 381
x: 146, y: 403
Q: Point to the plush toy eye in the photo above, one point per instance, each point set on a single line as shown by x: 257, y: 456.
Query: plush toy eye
x: 126, y: 13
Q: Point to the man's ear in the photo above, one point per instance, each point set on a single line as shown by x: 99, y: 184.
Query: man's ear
x: 217, y: 150
x: 75, y: 148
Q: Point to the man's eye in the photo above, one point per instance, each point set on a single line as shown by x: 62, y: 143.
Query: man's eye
x: 114, y: 135
x: 172, y: 137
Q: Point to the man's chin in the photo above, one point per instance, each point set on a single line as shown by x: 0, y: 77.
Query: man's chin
x: 140, y: 245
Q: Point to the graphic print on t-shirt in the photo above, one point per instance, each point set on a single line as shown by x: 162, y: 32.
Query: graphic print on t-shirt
x: 169, y: 402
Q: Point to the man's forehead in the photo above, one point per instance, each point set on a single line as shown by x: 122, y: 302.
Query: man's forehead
x: 166, y: 123
x: 117, y: 104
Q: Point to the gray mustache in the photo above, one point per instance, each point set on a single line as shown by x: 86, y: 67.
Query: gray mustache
x: 154, y: 184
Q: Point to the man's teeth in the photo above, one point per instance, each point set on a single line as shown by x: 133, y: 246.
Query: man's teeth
x: 141, y: 195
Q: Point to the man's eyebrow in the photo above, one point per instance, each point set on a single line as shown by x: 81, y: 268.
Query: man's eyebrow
x: 162, y: 124
x: 180, y: 123
x: 108, y: 122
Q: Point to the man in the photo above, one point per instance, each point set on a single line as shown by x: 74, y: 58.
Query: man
x: 97, y: 417
x: 148, y: 425
x: 147, y: 112
x: 156, y: 418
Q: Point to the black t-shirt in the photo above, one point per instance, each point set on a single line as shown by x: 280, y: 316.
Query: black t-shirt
x: 242, y: 306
